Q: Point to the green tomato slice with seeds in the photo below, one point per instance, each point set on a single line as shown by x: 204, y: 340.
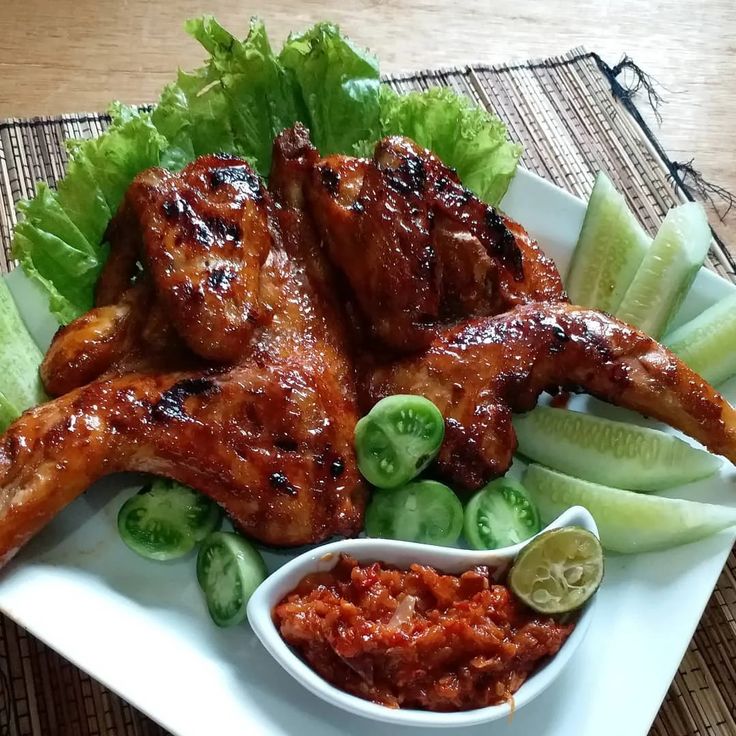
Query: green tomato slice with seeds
x: 397, y: 439
x: 165, y: 520
x: 499, y: 515
x: 229, y: 569
x: 424, y: 511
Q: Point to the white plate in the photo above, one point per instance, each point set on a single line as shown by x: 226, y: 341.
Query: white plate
x: 141, y: 627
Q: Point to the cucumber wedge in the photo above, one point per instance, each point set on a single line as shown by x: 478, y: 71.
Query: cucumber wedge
x: 708, y: 342
x: 20, y: 384
x: 614, y: 453
x: 667, y: 271
x: 627, y: 522
x: 610, y: 249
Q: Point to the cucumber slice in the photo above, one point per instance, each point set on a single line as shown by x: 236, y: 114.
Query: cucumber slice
x: 229, y: 569
x: 609, y: 251
x: 165, y: 520
x: 613, y: 453
x: 708, y: 342
x: 627, y: 522
x: 667, y: 271
x: 8, y: 412
x: 20, y: 358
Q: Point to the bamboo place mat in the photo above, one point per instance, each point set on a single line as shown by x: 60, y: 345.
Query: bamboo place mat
x: 574, y: 115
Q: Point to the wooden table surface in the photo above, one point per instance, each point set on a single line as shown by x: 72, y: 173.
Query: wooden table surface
x: 72, y: 55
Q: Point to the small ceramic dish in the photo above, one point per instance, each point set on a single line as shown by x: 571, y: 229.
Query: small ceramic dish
x: 402, y: 555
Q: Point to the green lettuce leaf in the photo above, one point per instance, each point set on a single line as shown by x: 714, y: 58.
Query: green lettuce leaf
x: 8, y: 412
x: 173, y: 119
x: 339, y: 85
x: 129, y: 146
x: 59, y: 241
x: 193, y: 116
x: 261, y: 99
x: 468, y: 138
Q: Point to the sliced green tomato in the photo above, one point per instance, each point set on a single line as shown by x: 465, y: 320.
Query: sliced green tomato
x: 667, y: 271
x: 627, y: 522
x: 165, y: 520
x: 424, y: 511
x: 499, y: 515
x: 397, y: 439
x: 558, y: 571
x: 614, y: 453
x: 229, y: 569
x: 708, y: 342
x: 609, y: 251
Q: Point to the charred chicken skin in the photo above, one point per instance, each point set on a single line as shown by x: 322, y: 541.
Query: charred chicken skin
x: 203, y: 236
x: 418, y: 249
x: 228, y: 362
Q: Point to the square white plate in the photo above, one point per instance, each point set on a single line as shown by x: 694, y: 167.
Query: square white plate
x: 142, y: 629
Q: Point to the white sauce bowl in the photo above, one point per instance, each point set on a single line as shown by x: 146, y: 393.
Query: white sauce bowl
x: 402, y: 555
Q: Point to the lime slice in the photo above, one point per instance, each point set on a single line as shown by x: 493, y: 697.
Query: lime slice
x: 559, y: 570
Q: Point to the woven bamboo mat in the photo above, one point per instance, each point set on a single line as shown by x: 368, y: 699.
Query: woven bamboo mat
x: 574, y: 116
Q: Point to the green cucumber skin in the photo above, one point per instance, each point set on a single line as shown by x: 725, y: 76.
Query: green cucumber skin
x: 627, y: 522
x: 609, y: 452
x: 667, y: 271
x: 708, y: 343
x: 20, y: 359
x: 610, y: 248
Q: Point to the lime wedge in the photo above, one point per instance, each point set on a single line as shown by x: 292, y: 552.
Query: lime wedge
x: 559, y: 570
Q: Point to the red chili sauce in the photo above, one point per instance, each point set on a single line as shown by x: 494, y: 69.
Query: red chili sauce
x: 417, y: 638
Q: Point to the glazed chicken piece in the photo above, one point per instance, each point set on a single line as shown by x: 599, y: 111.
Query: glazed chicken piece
x: 203, y: 236
x: 483, y: 370
x: 419, y: 250
x: 86, y: 348
x: 270, y: 438
x: 131, y: 336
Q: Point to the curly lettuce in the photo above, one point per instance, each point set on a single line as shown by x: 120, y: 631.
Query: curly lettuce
x: 59, y: 242
x: 237, y: 102
x: 339, y: 85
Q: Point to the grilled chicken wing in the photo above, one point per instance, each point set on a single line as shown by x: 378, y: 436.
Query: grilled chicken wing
x: 134, y: 335
x: 483, y: 370
x: 203, y: 236
x: 417, y: 248
x: 269, y: 438
x: 85, y: 349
